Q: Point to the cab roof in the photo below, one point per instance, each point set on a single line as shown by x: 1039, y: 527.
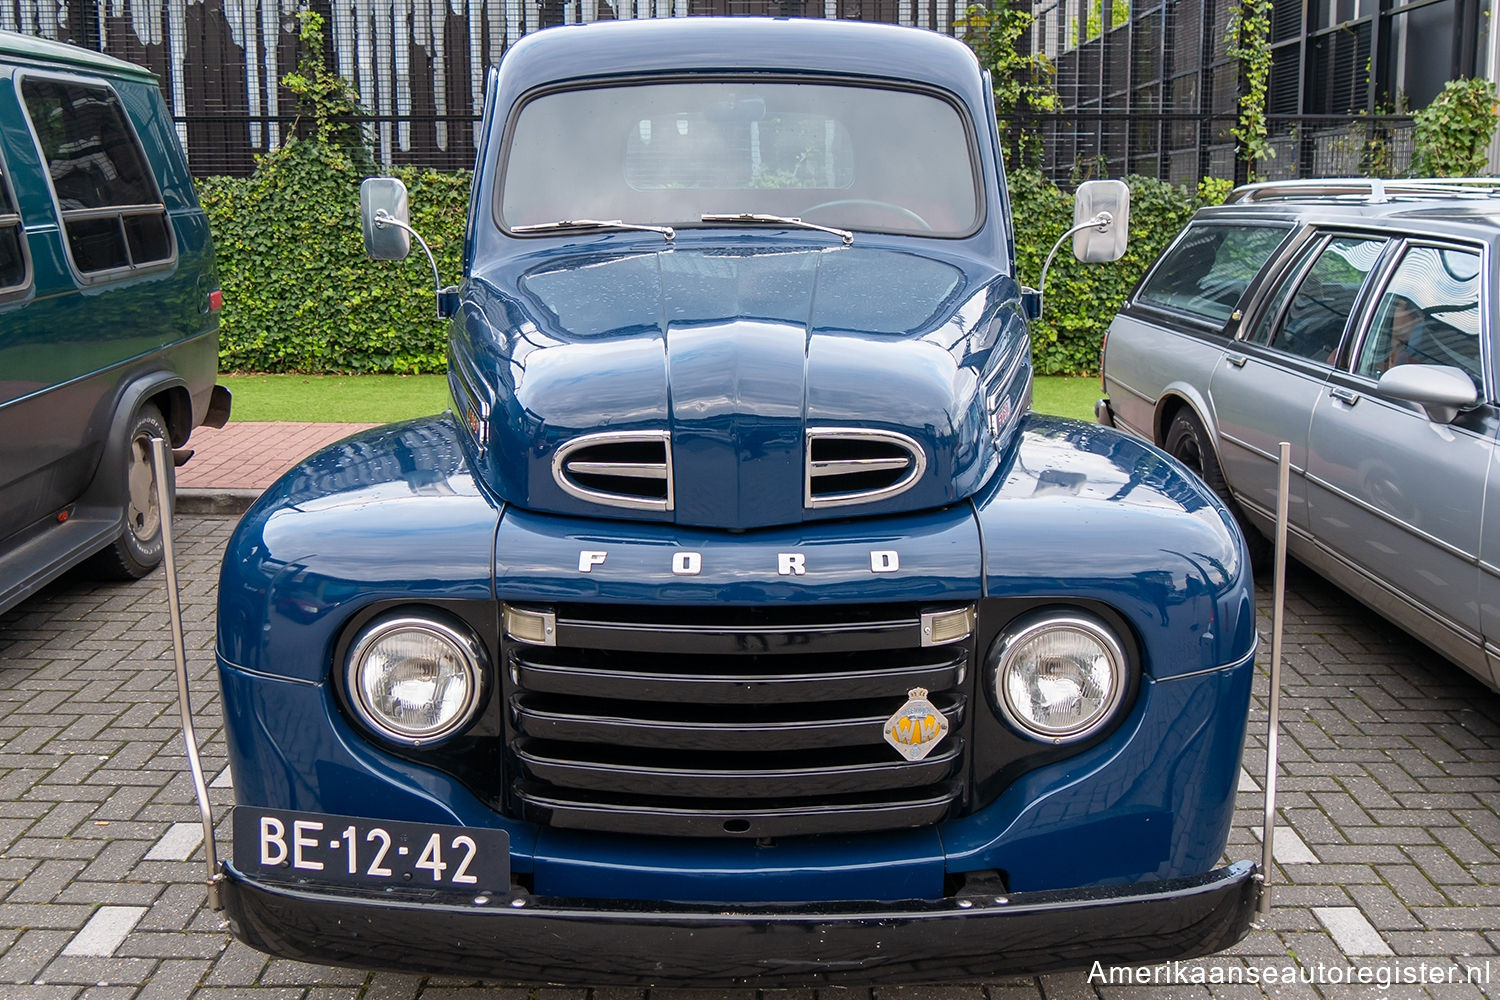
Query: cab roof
x: 29, y: 49
x: 657, y: 46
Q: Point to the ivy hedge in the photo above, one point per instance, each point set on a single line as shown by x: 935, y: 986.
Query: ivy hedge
x: 300, y: 295
x: 1081, y: 299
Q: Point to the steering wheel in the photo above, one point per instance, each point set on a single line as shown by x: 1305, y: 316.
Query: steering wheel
x: 900, y: 210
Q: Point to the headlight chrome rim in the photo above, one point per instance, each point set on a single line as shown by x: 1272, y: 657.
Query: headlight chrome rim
x: 470, y: 656
x: 1018, y: 636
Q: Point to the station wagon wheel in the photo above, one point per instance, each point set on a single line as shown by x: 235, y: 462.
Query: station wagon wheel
x: 138, y: 550
x: 1189, y: 443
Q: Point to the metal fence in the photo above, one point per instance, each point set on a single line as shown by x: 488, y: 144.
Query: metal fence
x: 1150, y: 87
x: 419, y: 65
x: 1183, y: 147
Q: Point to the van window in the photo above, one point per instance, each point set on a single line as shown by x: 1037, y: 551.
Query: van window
x: 12, y: 241
x: 1209, y: 269
x: 111, y: 211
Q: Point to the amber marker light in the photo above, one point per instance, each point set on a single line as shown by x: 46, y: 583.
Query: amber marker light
x: 942, y: 627
x: 539, y: 628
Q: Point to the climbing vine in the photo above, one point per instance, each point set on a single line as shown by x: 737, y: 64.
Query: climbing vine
x: 330, y: 100
x: 1249, y: 33
x: 1023, y: 80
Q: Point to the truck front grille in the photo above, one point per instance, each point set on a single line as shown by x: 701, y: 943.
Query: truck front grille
x: 731, y: 722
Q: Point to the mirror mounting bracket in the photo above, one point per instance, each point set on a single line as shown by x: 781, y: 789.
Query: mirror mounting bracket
x: 447, y: 298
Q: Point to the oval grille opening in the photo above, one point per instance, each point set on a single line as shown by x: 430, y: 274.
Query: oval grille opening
x: 626, y: 469
x: 850, y: 466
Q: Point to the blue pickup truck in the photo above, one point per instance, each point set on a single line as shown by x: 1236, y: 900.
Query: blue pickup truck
x: 740, y: 624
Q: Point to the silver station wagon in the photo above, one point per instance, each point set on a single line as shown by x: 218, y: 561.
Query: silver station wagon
x: 1355, y: 320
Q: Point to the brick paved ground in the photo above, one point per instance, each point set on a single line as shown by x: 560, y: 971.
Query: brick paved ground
x: 250, y: 455
x: 1388, y: 799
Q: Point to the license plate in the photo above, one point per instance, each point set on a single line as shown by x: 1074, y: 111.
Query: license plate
x: 347, y: 850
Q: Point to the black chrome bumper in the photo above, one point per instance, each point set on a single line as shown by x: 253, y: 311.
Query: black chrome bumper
x: 537, y: 940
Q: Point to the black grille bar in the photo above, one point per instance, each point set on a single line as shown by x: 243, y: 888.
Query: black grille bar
x: 742, y: 688
x: 576, y: 721
x: 697, y: 819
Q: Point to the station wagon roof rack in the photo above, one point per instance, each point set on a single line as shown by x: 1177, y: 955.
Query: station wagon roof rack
x: 1370, y: 191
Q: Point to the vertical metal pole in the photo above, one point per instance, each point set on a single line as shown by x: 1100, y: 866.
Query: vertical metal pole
x: 1278, y: 604
x: 159, y: 460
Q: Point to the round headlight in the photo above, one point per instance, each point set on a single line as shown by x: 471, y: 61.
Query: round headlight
x: 414, y: 680
x: 1058, y: 678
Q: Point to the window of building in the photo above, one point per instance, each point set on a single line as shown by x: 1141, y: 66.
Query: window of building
x: 112, y: 214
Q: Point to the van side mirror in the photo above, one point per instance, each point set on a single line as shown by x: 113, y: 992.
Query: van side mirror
x: 1108, y: 202
x: 385, y: 217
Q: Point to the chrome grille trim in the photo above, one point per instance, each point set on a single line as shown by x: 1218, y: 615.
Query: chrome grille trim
x: 821, y: 482
x: 565, y: 472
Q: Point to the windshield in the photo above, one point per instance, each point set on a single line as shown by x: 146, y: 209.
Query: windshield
x: 852, y: 157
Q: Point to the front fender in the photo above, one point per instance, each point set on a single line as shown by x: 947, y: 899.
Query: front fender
x: 1086, y: 513
x: 389, y: 515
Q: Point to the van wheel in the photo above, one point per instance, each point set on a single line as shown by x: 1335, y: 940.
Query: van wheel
x: 138, y: 550
x: 1189, y: 443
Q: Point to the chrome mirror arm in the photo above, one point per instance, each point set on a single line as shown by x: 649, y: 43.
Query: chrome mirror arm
x: 383, y: 219
x: 1102, y: 222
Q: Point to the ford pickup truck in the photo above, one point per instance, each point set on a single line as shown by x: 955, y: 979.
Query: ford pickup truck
x: 741, y: 623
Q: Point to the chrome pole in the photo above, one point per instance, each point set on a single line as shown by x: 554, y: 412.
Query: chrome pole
x: 1278, y: 605
x: 159, y: 459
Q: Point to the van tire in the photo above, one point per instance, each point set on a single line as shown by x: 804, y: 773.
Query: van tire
x: 1189, y: 443
x: 139, y: 548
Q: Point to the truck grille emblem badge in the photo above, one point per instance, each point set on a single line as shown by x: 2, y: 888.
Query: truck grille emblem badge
x: 916, y: 727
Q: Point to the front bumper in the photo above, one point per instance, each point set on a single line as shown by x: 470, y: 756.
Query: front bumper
x: 588, y: 943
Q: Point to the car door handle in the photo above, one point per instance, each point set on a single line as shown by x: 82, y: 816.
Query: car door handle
x: 1238, y: 360
x: 1344, y: 396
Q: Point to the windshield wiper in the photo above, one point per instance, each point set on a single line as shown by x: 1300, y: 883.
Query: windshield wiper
x: 550, y: 227
x: 756, y: 218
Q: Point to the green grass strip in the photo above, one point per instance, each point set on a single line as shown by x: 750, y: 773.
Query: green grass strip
x: 379, y: 399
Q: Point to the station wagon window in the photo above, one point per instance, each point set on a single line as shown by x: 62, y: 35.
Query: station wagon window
x: 851, y: 157
x: 1209, y: 269
x: 1312, y: 324
x: 1427, y: 315
x: 111, y: 211
x: 12, y: 241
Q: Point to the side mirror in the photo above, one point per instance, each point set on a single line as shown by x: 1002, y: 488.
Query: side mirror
x: 381, y: 199
x: 1104, y: 241
x: 1441, y: 390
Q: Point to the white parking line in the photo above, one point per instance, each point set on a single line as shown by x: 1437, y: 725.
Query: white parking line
x: 224, y: 780
x: 178, y: 843
x: 1351, y: 931
x: 1288, y: 848
x: 105, y: 931
x: 1247, y: 783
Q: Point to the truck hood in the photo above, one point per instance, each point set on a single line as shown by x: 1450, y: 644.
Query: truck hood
x: 739, y: 387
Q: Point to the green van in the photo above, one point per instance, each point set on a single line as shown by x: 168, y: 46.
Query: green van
x: 109, y: 307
